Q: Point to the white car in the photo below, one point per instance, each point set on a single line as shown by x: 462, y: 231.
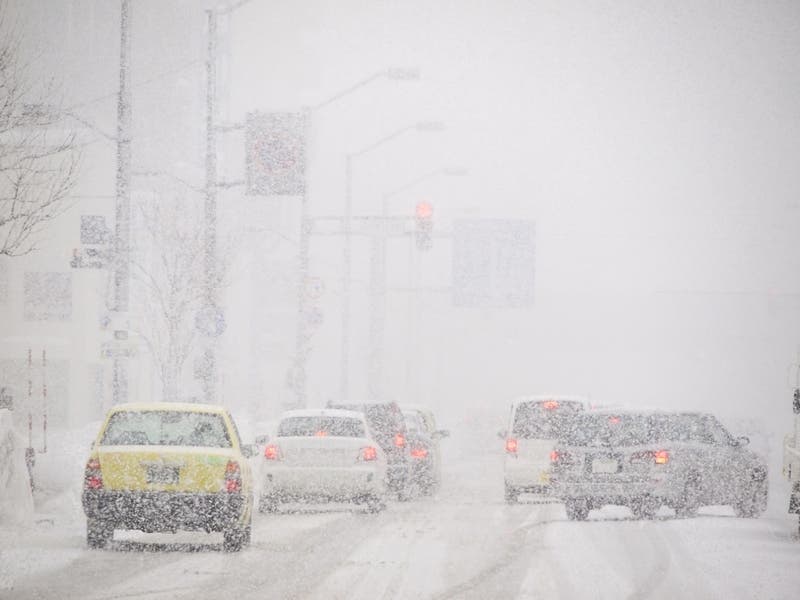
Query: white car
x: 534, y: 426
x: 323, y: 455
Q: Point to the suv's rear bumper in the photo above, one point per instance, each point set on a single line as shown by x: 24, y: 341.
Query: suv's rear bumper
x: 164, y: 511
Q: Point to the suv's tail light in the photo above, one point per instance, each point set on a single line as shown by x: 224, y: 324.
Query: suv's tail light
x: 369, y: 453
x: 272, y: 452
x: 233, y: 477
x: 511, y: 446
x: 399, y: 440
x: 93, y: 476
x: 661, y: 457
x: 419, y: 452
x: 658, y: 457
x: 550, y: 404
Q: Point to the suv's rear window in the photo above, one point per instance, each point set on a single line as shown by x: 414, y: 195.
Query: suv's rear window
x: 609, y: 430
x: 544, y: 420
x: 166, y: 428
x: 321, y: 425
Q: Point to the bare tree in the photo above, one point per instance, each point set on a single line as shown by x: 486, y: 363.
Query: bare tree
x: 38, y: 159
x: 169, y: 282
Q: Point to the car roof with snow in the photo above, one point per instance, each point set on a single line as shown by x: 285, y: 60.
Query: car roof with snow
x: 171, y: 406
x: 323, y: 412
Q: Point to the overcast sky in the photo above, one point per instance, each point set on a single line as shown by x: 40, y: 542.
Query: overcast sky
x: 654, y: 144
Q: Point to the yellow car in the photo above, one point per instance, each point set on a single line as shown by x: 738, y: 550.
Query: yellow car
x: 168, y: 466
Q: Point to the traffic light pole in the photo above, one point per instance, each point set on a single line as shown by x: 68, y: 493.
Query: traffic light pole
x: 123, y: 201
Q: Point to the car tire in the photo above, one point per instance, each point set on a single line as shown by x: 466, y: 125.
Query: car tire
x: 577, y: 510
x: 690, y: 499
x: 267, y: 504
x: 98, y: 533
x: 644, y: 508
x: 236, y: 537
x: 511, y: 494
x: 754, y: 501
x: 374, y: 504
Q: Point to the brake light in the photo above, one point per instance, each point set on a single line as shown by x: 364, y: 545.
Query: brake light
x: 550, y: 405
x: 321, y: 433
x: 369, y: 453
x: 511, y: 445
x: 271, y: 452
x: 93, y: 476
x: 233, y: 477
x: 419, y: 452
x: 560, y: 457
x: 613, y: 420
x: 399, y: 440
x: 661, y: 457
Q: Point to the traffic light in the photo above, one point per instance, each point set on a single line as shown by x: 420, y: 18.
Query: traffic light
x: 423, y: 215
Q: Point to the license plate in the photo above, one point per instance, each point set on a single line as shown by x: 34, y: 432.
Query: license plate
x: 605, y: 465
x: 162, y: 475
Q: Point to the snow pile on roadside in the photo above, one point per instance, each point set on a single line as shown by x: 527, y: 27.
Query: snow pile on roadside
x: 16, y: 500
x: 58, y: 474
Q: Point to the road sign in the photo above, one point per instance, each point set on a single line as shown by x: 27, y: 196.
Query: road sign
x: 493, y: 263
x: 275, y: 153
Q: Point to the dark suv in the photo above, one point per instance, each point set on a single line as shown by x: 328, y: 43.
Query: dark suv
x: 388, y: 427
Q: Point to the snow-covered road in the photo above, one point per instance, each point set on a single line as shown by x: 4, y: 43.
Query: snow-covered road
x: 464, y: 543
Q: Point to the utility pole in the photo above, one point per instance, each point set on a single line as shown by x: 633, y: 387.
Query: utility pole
x: 123, y: 201
x: 209, y: 370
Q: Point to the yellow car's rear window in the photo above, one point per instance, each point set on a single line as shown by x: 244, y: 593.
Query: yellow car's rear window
x: 166, y: 428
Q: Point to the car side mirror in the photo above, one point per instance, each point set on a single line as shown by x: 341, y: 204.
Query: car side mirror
x: 796, y: 401
x: 502, y: 434
x: 262, y: 440
x: 440, y: 434
x: 742, y: 440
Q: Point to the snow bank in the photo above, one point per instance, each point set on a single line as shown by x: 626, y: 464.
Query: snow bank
x: 16, y: 500
x: 58, y: 475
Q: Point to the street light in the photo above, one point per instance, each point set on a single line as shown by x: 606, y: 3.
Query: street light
x: 378, y: 268
x: 302, y: 322
x: 422, y: 127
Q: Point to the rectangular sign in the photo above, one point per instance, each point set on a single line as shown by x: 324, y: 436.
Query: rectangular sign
x: 493, y: 263
x: 275, y: 153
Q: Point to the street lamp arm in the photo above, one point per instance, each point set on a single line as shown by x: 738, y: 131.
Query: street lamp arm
x: 382, y: 141
x: 349, y: 90
x: 412, y: 183
x: 226, y: 10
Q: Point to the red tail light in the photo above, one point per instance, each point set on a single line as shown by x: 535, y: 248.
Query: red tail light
x: 419, y: 452
x: 661, y: 457
x: 272, y: 452
x: 233, y: 477
x: 93, y: 476
x: 511, y: 445
x: 369, y: 453
x: 550, y: 405
x: 560, y: 457
x: 399, y: 440
x: 321, y: 433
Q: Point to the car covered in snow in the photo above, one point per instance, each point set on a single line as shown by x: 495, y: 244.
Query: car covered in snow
x: 323, y: 455
x: 159, y: 467
x: 425, y: 450
x: 644, y: 460
x: 388, y: 428
x: 535, y: 424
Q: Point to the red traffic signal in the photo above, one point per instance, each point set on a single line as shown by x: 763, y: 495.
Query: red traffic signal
x: 424, y: 210
x: 424, y: 218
